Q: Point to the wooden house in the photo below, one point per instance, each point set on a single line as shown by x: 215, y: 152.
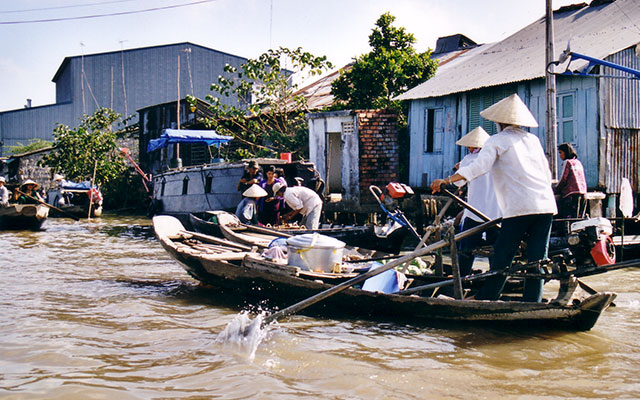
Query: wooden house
x: 599, y: 116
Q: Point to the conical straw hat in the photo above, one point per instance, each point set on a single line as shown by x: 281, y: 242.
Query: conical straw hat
x: 475, y: 138
x: 510, y: 110
x: 254, y: 191
x: 30, y: 182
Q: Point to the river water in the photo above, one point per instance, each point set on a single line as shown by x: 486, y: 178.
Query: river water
x: 97, y: 309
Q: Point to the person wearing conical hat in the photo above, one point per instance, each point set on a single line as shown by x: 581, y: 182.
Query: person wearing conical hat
x: 522, y: 182
x: 29, y: 193
x: 247, y: 210
x: 481, y: 196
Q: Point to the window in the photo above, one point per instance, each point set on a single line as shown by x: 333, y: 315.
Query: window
x: 434, y: 123
x: 566, y: 112
x: 185, y: 185
x: 482, y: 99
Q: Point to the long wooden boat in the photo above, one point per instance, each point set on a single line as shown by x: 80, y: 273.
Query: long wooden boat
x: 23, y: 216
x: 387, y: 238
x: 247, y: 274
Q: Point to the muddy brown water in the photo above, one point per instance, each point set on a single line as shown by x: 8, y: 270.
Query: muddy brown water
x: 97, y: 309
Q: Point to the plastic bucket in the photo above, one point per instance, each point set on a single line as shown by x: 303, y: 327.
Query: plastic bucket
x: 315, y: 252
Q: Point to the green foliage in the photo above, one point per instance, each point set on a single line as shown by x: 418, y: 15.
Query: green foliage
x: 392, y: 67
x: 92, y: 144
x: 34, y: 144
x: 269, y: 116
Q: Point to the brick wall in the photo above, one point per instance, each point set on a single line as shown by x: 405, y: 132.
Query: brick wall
x: 379, y: 163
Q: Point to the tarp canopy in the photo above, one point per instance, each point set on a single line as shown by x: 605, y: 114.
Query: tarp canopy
x: 171, y: 136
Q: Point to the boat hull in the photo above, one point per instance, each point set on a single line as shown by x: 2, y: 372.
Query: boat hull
x: 23, y: 217
x: 251, y: 277
x: 196, y: 189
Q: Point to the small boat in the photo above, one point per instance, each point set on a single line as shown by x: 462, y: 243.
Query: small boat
x: 23, y: 216
x: 75, y: 199
x: 387, y: 238
x: 249, y: 274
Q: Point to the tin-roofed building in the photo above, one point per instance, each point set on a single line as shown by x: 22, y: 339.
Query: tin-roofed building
x: 125, y: 81
x: 599, y: 116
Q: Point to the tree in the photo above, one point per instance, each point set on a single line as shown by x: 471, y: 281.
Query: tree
x: 91, y: 145
x: 392, y: 67
x: 269, y: 116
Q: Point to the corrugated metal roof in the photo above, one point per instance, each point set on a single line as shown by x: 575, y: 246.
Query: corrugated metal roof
x: 318, y: 93
x: 597, y: 31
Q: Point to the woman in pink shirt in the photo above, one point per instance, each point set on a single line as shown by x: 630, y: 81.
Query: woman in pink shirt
x: 573, y: 184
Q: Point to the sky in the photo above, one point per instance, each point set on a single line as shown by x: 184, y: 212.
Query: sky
x: 32, y: 52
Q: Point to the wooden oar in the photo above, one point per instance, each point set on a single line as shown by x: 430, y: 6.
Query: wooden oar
x: 48, y: 205
x: 466, y: 205
x: 361, y: 278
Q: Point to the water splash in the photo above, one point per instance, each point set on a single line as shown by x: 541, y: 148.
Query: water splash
x: 243, y: 334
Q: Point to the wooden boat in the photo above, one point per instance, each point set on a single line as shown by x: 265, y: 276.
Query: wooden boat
x: 249, y: 275
x: 76, y: 200
x: 386, y: 238
x: 23, y: 216
x: 196, y: 189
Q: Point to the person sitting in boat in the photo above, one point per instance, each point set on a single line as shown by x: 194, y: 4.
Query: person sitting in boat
x: 269, y: 206
x: 4, y: 193
x: 301, y: 200
x: 522, y: 181
x: 247, y: 210
x: 480, y: 195
x: 29, y: 193
x: 252, y: 176
x: 58, y: 196
x: 572, y: 185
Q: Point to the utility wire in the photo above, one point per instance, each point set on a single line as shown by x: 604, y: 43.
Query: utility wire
x: 61, y: 7
x: 104, y: 15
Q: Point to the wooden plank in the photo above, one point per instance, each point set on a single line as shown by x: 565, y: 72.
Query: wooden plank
x: 627, y: 240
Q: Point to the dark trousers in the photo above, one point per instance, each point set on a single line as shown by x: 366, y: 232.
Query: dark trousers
x: 569, y: 206
x: 535, y: 230
x: 468, y: 244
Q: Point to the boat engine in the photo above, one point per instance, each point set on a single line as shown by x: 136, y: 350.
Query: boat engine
x: 589, y: 242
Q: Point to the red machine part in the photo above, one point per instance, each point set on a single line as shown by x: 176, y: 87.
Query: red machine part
x: 604, y: 252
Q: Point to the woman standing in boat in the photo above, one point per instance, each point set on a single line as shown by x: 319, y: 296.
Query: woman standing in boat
x: 481, y: 196
x: 572, y: 185
x: 522, y: 182
x: 269, y: 206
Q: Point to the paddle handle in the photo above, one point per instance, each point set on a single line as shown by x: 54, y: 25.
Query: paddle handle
x: 466, y: 205
x: 362, y: 277
x: 48, y: 205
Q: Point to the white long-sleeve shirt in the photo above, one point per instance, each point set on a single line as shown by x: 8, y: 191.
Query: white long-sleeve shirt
x: 301, y: 198
x: 519, y: 170
x: 4, y: 196
x: 480, y: 194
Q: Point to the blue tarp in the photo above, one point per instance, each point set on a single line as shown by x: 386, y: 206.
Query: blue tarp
x: 86, y: 185
x: 171, y: 136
